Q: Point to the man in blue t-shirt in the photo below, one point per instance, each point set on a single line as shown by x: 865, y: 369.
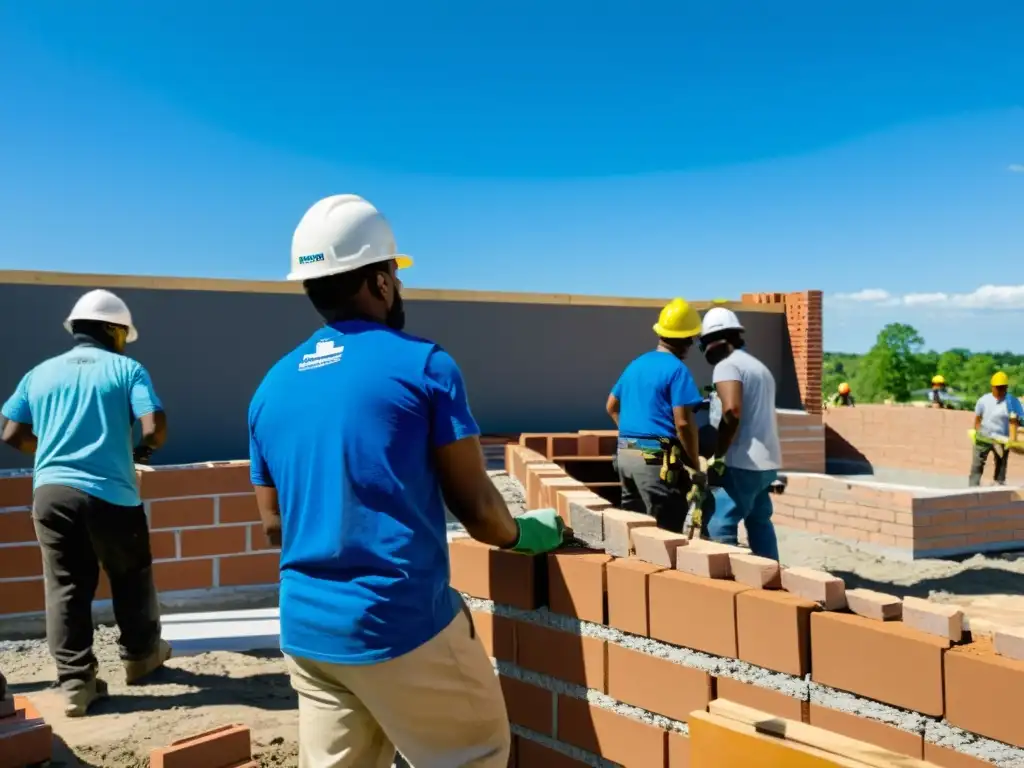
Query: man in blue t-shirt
x: 74, y: 413
x: 653, y: 405
x: 359, y: 437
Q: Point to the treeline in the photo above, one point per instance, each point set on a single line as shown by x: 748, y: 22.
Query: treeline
x: 898, y: 369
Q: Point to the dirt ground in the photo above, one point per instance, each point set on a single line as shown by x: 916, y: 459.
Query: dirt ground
x: 196, y: 693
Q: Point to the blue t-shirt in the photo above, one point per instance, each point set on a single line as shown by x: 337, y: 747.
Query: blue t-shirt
x: 81, y: 406
x: 648, y: 390
x: 344, y: 427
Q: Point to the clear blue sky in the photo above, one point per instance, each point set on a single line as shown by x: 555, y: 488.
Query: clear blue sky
x: 656, y: 149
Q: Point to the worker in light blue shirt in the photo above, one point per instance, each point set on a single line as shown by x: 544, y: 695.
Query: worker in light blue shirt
x: 74, y: 413
x: 359, y: 438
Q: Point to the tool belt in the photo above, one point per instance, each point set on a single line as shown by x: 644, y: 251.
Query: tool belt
x: 666, y: 451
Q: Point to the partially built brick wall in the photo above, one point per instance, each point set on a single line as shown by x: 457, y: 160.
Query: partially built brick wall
x: 901, y: 521
x: 804, y: 322
x: 205, y: 535
x: 606, y: 657
x: 906, y: 437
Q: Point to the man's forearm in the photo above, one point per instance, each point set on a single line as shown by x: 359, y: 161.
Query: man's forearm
x: 727, y: 429
x: 488, y: 519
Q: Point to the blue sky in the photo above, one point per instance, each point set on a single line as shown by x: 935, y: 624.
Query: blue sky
x: 871, y: 150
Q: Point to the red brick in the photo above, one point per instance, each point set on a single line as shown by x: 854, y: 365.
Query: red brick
x: 774, y: 630
x: 824, y: 588
x: 172, y: 575
x: 16, y: 491
x: 509, y: 578
x: 244, y: 570
x: 24, y: 705
x: 884, y: 661
x: 497, y: 634
x: 238, y: 509
x: 550, y: 486
x: 533, y: 755
x: 678, y: 750
x: 627, y: 594
x: 204, y: 542
x: 562, y: 655
x: 27, y: 742
x: 934, y: 618
x: 985, y: 692
x: 656, y: 685
x: 534, y: 488
x: 694, y: 612
x: 20, y: 562
x: 615, y: 737
x: 162, y: 545
x: 22, y: 596
x: 576, y: 584
x: 761, y: 699
x: 222, y: 747
x: 944, y: 757
x: 869, y: 731
x: 178, y: 513
x: 528, y: 705
x: 196, y: 481
x: 16, y: 527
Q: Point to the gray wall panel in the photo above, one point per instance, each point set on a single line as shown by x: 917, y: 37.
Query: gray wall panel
x: 529, y: 367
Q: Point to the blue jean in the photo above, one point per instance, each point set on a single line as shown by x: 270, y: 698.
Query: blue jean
x: 745, y: 496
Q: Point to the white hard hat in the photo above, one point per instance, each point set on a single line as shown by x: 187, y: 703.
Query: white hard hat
x: 719, y: 319
x: 105, y: 307
x: 339, y: 234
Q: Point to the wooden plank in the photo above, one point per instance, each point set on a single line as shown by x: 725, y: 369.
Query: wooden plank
x: 817, y: 738
x: 164, y: 283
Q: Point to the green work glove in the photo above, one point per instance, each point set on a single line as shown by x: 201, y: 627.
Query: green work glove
x: 973, y: 434
x: 716, y: 465
x: 539, y: 531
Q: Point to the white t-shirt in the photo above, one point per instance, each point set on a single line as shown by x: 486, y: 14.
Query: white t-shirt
x: 756, y: 445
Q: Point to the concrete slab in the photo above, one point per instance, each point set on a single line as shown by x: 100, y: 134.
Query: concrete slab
x: 257, y: 629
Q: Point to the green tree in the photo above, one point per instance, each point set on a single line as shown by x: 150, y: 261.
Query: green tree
x: 891, y: 368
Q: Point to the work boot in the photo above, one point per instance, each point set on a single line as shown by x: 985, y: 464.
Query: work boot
x: 79, y: 695
x: 136, y: 671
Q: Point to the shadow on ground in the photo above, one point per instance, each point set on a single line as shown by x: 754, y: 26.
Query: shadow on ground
x: 973, y: 581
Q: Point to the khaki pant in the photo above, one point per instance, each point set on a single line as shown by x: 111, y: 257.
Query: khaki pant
x: 440, y: 705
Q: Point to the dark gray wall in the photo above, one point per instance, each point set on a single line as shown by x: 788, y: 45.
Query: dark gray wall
x: 529, y: 367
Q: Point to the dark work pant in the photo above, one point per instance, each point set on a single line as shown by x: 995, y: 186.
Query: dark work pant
x: 981, y: 452
x: 644, y: 491
x: 78, y: 533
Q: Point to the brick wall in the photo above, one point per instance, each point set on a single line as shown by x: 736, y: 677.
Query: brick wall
x: 623, y: 650
x: 804, y: 322
x: 205, y: 535
x: 903, y: 521
x: 906, y: 437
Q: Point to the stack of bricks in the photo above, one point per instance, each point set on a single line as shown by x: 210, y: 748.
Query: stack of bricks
x: 604, y: 656
x: 204, y: 532
x: 903, y: 522
x: 25, y: 738
x: 804, y: 322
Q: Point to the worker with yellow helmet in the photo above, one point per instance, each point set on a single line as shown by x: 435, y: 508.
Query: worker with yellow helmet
x: 653, y: 404
x: 937, y: 397
x: 843, y: 398
x: 996, y: 418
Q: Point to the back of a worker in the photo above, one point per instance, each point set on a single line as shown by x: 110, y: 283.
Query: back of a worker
x: 74, y: 413
x: 653, y: 405
x: 354, y: 437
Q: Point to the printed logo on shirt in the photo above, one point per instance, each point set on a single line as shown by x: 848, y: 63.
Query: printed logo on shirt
x: 324, y: 354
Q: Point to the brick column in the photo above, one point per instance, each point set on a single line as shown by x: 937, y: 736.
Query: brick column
x: 803, y: 320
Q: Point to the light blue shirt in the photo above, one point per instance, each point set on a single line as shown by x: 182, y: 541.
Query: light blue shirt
x: 81, y: 406
x: 995, y: 414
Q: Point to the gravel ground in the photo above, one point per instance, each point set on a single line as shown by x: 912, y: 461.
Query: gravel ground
x: 200, y: 692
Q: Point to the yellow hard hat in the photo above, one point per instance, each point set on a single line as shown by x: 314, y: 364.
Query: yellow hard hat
x: 844, y: 388
x: 940, y: 379
x: 678, y: 320
x: 1000, y: 379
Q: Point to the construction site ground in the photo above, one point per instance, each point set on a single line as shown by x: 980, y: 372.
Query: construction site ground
x: 195, y: 693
